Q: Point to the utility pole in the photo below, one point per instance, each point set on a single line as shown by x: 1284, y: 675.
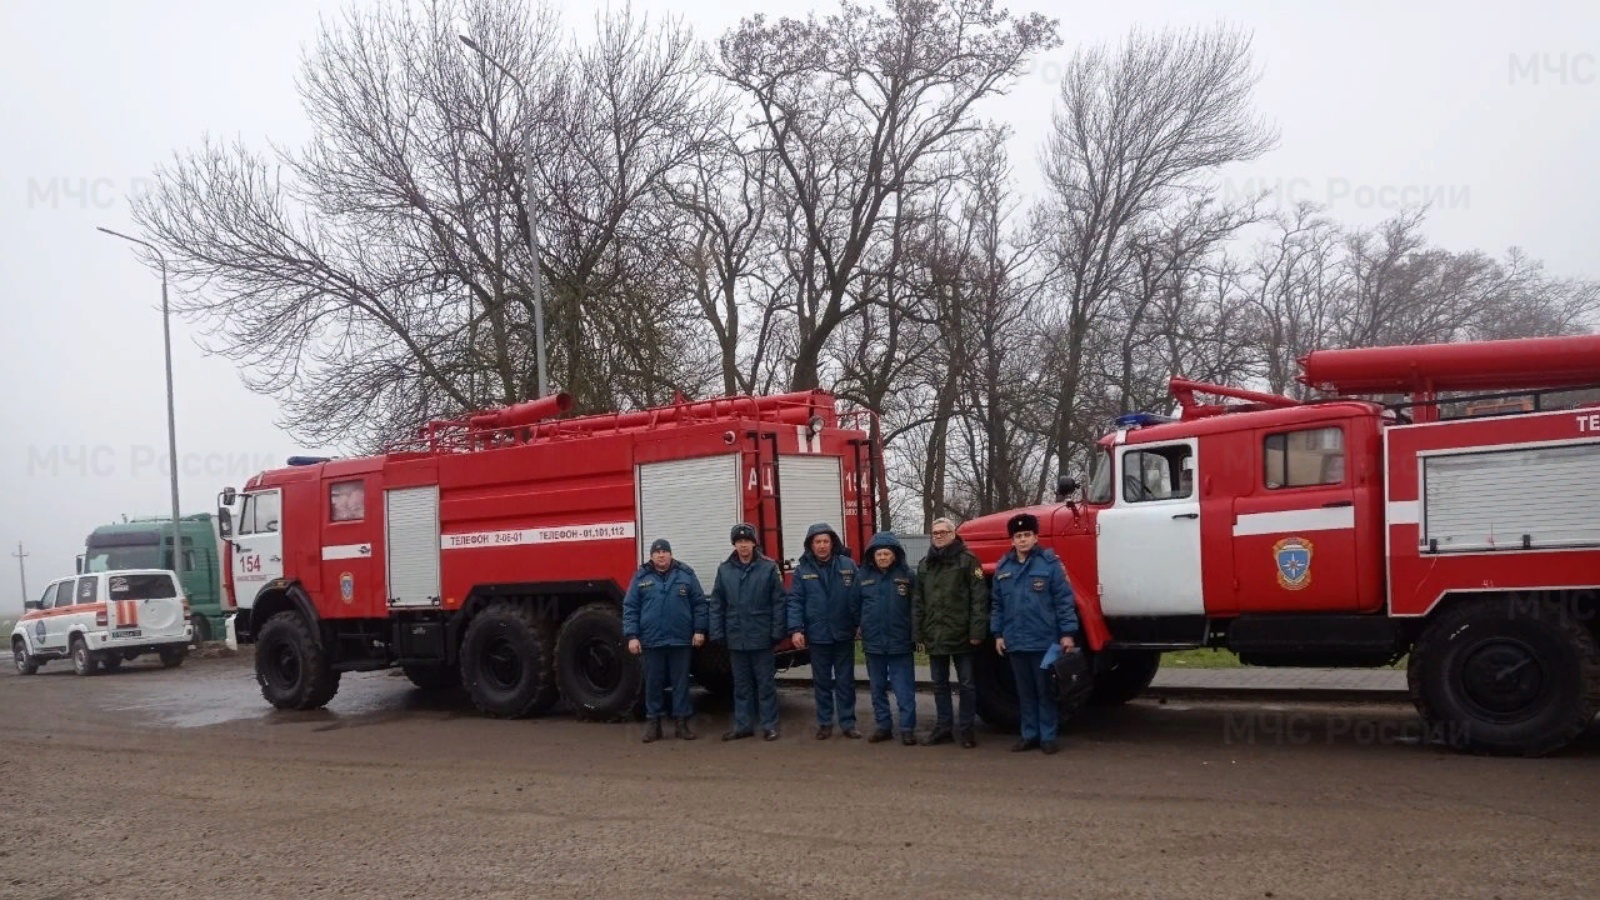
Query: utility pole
x: 172, y: 427
x: 22, y: 568
x: 527, y: 189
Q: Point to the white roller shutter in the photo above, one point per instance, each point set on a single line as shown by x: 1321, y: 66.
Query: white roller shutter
x: 411, y: 521
x: 693, y: 503
x: 1499, y: 500
x: 812, y: 490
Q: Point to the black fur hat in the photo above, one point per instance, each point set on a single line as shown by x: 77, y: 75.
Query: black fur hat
x: 1022, y: 522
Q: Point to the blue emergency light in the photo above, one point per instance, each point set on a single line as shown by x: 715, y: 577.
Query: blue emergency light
x: 1142, y: 419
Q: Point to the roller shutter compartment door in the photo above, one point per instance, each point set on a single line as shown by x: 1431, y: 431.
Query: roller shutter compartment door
x: 812, y: 490
x: 1538, y: 497
x: 411, y: 523
x: 693, y: 503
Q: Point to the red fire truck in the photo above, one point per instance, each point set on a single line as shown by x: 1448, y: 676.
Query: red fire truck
x: 494, y: 551
x: 1352, y: 531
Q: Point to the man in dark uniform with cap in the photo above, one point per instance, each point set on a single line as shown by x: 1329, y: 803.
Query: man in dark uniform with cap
x: 1031, y: 608
x: 748, y: 612
x: 665, y: 616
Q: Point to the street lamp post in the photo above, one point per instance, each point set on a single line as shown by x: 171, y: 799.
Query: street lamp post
x: 533, y: 234
x: 172, y: 430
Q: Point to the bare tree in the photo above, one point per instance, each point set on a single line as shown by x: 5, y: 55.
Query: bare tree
x: 1135, y: 130
x: 380, y: 276
x: 850, y: 106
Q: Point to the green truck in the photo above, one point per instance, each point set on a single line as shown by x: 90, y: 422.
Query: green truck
x: 146, y: 543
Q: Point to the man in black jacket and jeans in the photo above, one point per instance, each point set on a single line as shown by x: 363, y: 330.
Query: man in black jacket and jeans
x: 950, y: 619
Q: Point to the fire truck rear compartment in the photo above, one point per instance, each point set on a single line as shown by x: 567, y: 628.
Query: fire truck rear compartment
x: 1527, y: 498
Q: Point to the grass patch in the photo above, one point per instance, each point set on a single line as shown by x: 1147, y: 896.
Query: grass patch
x: 1204, y: 658
x: 1216, y: 658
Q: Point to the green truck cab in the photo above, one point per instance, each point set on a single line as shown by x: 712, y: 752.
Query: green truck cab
x: 146, y: 543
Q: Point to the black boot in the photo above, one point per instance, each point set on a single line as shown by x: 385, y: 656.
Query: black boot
x: 968, y: 739
x: 653, y: 732
x: 683, y: 733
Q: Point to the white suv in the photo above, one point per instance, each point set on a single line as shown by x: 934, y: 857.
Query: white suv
x: 100, y: 619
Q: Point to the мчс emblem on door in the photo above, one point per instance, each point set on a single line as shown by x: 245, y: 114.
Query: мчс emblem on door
x: 347, y: 587
x: 1293, y: 556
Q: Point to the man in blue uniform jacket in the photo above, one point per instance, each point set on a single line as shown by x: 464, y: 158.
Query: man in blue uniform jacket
x: 1030, y: 609
x: 824, y: 616
x: 748, y: 612
x: 665, y: 616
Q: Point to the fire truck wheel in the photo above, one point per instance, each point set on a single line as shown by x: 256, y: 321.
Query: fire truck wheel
x: 290, y: 665
x: 1493, y: 676
x: 600, y: 679
x: 433, y: 678
x: 713, y: 670
x: 1124, y: 677
x: 996, y: 690
x: 508, y: 662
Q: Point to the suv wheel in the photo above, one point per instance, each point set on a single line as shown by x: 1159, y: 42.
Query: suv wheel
x: 83, y: 662
x: 26, y: 664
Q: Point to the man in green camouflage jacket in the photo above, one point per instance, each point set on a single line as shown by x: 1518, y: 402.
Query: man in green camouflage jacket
x: 950, y: 620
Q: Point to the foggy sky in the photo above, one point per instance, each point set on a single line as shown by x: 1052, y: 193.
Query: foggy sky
x: 1492, y: 111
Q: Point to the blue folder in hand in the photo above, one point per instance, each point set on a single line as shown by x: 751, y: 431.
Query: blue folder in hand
x: 1050, y: 656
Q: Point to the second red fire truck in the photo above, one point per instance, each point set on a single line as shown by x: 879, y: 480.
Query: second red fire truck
x: 1460, y: 534
x: 494, y: 552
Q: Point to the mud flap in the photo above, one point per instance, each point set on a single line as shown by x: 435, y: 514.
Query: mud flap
x: 232, y: 636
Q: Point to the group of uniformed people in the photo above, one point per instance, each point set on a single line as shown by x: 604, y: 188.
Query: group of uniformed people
x: 942, y: 607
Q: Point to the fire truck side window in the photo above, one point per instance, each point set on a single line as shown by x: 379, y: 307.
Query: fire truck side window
x: 1305, y: 458
x: 247, y: 516
x: 267, y: 512
x: 346, y: 501
x: 1100, y: 479
x: 1161, y: 473
x: 64, y: 595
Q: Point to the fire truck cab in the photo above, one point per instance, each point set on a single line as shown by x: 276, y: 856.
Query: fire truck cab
x: 494, y: 551
x: 1461, y: 534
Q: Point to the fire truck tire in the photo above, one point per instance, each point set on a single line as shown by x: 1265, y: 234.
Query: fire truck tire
x: 433, y: 678
x: 996, y: 690
x: 713, y: 670
x: 600, y: 679
x: 1125, y: 676
x: 1495, y: 678
x: 291, y: 667
x: 508, y: 662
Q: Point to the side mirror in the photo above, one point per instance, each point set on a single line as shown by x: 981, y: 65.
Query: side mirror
x: 79, y: 568
x: 1066, y: 486
x: 32, y: 604
x: 225, y: 522
x: 227, y: 497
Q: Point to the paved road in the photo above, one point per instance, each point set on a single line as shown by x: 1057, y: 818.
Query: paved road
x: 182, y: 783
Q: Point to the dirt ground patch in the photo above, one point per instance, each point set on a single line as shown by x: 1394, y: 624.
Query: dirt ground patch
x: 184, y: 783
